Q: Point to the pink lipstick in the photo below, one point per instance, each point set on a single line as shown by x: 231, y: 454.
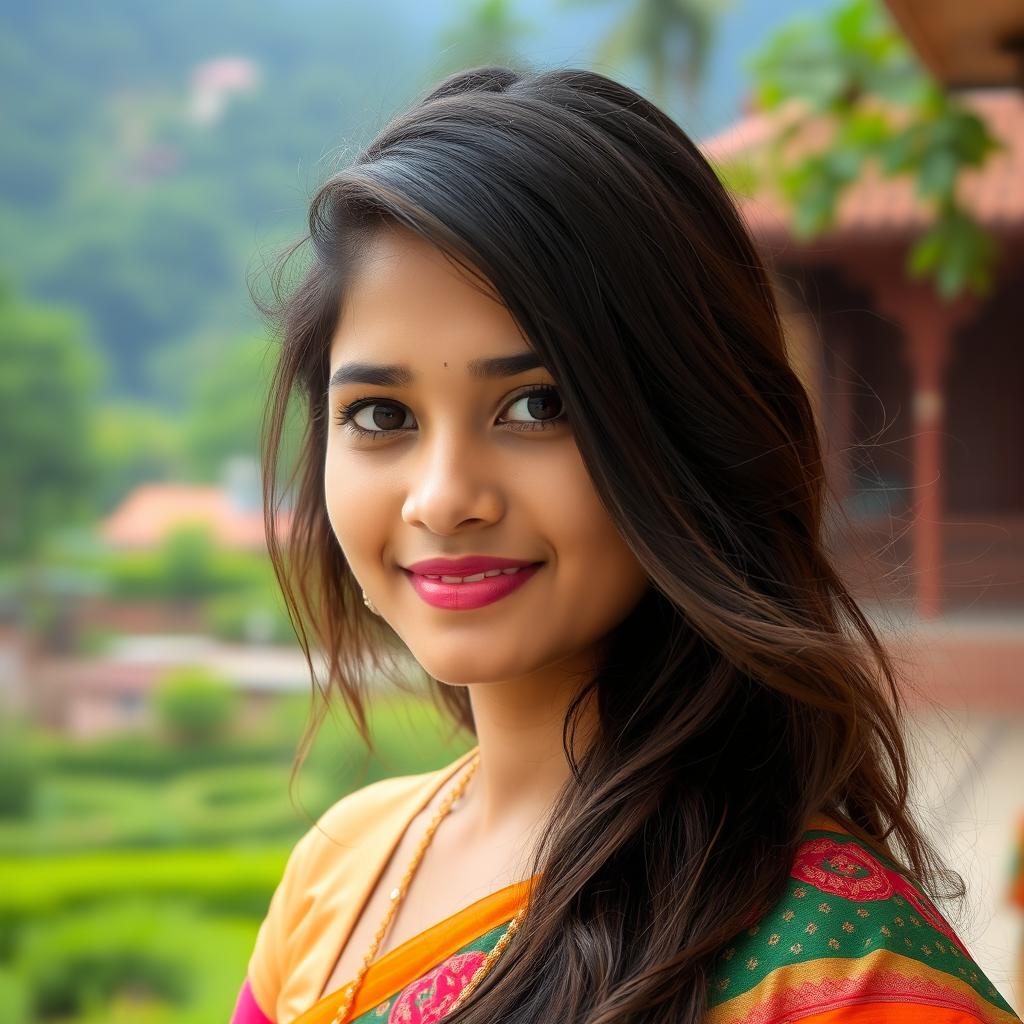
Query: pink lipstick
x: 434, y: 580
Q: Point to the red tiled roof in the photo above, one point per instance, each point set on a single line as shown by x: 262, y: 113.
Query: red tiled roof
x: 994, y: 193
x: 152, y: 511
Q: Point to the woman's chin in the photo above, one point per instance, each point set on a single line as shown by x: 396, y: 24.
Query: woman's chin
x: 464, y: 671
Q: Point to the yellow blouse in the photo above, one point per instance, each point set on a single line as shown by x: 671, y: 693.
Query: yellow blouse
x: 328, y: 879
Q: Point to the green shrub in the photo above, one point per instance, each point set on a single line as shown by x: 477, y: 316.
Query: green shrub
x: 187, y: 566
x: 20, y: 773
x: 145, y: 792
x: 194, y: 704
x: 409, y: 737
x: 210, y: 806
x: 162, y: 956
x: 14, y: 998
x: 235, y: 880
x: 225, y: 804
x: 141, y: 757
x: 249, y: 617
x: 79, y: 961
x: 80, y: 813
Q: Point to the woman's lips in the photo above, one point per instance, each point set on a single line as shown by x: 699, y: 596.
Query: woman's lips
x: 466, y: 596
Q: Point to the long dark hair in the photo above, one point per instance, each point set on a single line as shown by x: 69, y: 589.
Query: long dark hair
x: 747, y: 690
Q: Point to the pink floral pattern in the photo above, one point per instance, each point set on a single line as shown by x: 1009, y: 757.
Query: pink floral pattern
x: 848, y: 870
x: 842, y: 869
x: 427, y: 999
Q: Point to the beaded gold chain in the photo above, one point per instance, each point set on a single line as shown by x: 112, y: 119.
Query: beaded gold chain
x: 398, y: 894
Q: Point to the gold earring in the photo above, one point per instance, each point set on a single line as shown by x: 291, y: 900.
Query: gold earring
x: 369, y: 603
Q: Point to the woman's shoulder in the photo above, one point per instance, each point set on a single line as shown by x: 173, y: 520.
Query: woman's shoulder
x: 327, y: 874
x: 372, y: 814
x: 850, y: 939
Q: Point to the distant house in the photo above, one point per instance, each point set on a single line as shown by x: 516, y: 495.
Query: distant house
x: 920, y: 399
x: 232, y: 511
x: 215, y: 81
x: 85, y: 697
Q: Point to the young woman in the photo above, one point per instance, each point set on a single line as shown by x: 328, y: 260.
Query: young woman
x: 554, y: 449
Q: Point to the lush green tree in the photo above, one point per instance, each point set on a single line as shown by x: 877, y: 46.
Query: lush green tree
x: 225, y: 381
x: 187, y: 561
x: 229, y: 379
x: 143, y: 267
x: 673, y: 40
x: 487, y: 33
x: 195, y: 705
x: 19, y: 773
x: 853, y: 69
x: 135, y: 443
x: 50, y: 376
x: 114, y: 197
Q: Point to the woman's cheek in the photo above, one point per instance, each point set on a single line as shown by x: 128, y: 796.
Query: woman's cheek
x: 351, y: 507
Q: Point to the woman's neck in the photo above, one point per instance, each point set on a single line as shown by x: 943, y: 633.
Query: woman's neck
x: 522, y: 761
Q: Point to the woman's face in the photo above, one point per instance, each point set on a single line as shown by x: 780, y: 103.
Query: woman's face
x: 464, y: 464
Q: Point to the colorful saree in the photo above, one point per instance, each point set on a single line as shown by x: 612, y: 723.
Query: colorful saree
x: 850, y: 941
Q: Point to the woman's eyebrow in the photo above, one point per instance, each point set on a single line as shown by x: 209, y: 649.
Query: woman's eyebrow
x: 399, y: 375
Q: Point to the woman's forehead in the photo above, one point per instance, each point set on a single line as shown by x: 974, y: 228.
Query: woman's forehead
x: 407, y: 303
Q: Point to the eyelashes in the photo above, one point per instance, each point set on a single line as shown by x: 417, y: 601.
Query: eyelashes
x: 345, y: 415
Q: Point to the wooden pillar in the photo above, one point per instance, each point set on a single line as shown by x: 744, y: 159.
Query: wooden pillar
x: 928, y: 351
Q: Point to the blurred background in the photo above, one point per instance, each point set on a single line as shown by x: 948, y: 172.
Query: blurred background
x: 151, y: 688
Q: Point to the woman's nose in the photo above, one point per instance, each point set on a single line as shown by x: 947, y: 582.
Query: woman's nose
x: 451, y: 482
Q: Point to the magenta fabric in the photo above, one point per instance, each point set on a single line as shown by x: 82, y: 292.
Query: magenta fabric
x: 247, y: 1010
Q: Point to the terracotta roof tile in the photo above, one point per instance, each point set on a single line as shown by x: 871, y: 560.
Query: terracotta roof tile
x: 993, y: 192
x: 151, y: 511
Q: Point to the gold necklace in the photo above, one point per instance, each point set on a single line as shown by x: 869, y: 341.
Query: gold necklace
x: 398, y: 894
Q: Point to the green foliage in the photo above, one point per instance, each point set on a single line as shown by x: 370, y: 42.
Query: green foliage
x: 251, y: 616
x: 194, y: 704
x: 673, y: 39
x: 79, y: 814
x: 229, y: 382
x: 218, y: 805
x: 144, y: 791
x: 114, y: 197
x: 20, y: 773
x: 142, y: 265
x: 236, y: 879
x: 14, y: 998
x: 486, y: 32
x: 854, y: 70
x: 146, y: 758
x: 134, y: 443
x: 205, y: 807
x: 49, y: 377
x: 114, y: 936
x: 188, y: 565
x: 98, y: 961
x: 187, y: 553
x: 67, y: 971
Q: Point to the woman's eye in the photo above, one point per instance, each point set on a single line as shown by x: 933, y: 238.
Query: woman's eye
x: 543, y: 402
x: 374, y: 418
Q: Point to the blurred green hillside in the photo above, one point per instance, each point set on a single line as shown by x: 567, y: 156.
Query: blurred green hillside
x: 119, y: 198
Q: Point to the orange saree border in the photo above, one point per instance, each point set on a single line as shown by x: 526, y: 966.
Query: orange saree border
x: 418, y: 954
x: 870, y: 1013
x: 803, y: 991
x: 414, y: 957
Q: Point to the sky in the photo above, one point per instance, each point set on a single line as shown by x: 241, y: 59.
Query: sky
x: 567, y: 33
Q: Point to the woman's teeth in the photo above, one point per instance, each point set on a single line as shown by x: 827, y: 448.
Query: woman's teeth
x: 476, y: 578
